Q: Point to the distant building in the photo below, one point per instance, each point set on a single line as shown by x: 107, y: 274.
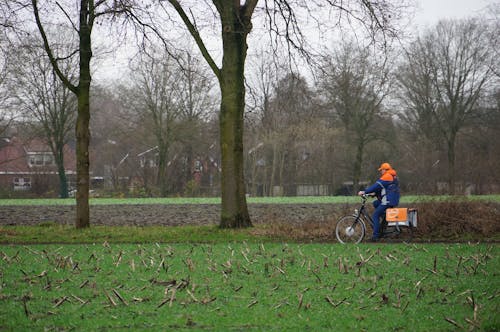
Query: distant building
x: 30, y: 166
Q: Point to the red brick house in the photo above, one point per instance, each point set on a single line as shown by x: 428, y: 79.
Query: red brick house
x: 30, y: 166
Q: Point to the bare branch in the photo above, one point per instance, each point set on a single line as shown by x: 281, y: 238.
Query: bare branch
x: 67, y: 57
x: 46, y: 45
x: 67, y: 16
x: 194, y: 32
x: 249, y: 7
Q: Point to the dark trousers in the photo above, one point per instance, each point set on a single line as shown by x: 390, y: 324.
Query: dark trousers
x: 379, y: 212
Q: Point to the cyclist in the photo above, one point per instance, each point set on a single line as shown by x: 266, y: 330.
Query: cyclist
x: 386, y: 189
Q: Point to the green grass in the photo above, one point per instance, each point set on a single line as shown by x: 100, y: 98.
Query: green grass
x: 251, y: 200
x: 110, y: 278
x: 249, y: 286
x: 56, y: 233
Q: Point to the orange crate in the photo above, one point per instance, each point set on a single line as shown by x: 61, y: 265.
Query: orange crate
x: 396, y: 214
x: 401, y: 216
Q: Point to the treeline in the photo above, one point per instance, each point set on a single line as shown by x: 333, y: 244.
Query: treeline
x: 432, y: 110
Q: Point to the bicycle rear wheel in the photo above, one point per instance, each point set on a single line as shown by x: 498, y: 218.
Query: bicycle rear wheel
x: 405, y: 233
x: 350, y: 229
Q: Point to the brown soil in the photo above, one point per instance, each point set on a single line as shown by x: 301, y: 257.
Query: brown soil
x: 167, y: 215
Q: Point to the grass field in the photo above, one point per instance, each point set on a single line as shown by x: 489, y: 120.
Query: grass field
x: 56, y: 278
x: 250, y: 286
x: 65, y: 234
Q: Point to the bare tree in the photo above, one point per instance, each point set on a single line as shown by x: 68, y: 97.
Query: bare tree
x: 195, y: 86
x: 82, y: 19
x: 236, y: 25
x: 291, y: 109
x: 114, y: 137
x: 235, y: 19
x: 6, y: 73
x: 43, y: 96
x: 261, y: 83
x: 87, y: 14
x: 155, y: 94
x: 446, y: 72
x: 283, y: 108
x: 171, y: 98
x: 196, y: 104
x: 478, y: 162
x: 354, y: 87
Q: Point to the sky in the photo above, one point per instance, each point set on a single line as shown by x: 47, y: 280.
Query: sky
x: 428, y: 13
x: 431, y: 11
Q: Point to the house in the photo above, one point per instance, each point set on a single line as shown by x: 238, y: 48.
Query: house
x: 30, y: 166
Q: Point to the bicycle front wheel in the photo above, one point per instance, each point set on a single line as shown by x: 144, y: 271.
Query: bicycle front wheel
x: 350, y: 229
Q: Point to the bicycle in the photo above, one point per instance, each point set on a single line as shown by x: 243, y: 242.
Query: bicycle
x: 352, y: 228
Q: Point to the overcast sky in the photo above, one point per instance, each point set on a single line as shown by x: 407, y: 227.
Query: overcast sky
x: 431, y: 11
x: 428, y: 13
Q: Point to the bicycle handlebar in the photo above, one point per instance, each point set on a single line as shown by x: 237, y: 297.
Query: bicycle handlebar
x: 365, y: 196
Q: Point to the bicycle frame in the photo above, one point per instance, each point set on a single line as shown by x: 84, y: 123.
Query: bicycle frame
x: 361, y: 212
x: 352, y: 227
x: 363, y: 215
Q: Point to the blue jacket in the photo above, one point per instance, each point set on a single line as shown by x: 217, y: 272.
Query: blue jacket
x: 386, y: 188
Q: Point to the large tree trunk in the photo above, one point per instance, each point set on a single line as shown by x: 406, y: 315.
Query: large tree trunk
x: 82, y: 123
x: 234, y: 211
x: 82, y: 160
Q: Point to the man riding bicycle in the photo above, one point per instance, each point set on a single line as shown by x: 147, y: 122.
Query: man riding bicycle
x: 386, y: 189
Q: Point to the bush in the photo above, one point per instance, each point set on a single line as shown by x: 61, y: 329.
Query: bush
x: 192, y: 189
x: 451, y: 220
x: 454, y: 219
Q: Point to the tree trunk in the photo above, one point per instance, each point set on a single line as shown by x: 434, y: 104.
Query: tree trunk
x: 82, y: 123
x: 63, y: 181
x: 188, y: 172
x: 253, y: 174
x: 162, y: 167
x: 234, y: 211
x: 273, y: 170
x: 57, y: 148
x: 358, y: 161
x: 82, y: 160
x: 290, y: 170
x: 281, y: 177
x: 63, y: 184
x: 451, y: 165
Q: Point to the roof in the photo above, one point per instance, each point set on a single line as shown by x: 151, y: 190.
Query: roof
x: 36, y: 145
x: 14, y: 156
